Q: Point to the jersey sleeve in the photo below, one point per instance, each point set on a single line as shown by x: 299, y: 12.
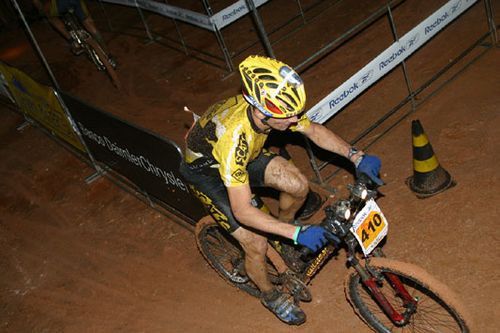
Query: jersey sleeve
x: 302, y: 124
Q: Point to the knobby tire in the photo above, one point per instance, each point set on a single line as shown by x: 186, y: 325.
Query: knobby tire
x: 104, y: 58
x: 225, y: 255
x: 438, y: 308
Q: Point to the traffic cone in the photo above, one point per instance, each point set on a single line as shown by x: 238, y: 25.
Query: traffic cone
x: 429, y: 178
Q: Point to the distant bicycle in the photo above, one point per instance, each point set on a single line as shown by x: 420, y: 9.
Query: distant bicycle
x: 82, y: 41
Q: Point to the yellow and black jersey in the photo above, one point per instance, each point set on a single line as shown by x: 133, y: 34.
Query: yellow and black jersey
x: 225, y: 140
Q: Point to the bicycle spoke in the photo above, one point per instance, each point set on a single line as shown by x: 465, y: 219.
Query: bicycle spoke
x: 432, y: 315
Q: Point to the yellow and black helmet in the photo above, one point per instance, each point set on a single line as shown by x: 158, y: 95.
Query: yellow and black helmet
x: 272, y: 86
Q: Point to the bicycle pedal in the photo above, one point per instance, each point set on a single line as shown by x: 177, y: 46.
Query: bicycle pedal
x: 76, y: 49
x: 112, y: 62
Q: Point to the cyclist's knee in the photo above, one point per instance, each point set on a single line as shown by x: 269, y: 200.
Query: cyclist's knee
x: 304, y: 185
x: 253, y: 244
x: 286, y: 177
x: 88, y: 23
x: 298, y: 185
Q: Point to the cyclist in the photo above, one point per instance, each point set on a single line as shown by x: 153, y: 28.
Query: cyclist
x: 225, y: 158
x: 54, y: 9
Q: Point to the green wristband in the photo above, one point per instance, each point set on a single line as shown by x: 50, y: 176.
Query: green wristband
x: 296, y: 235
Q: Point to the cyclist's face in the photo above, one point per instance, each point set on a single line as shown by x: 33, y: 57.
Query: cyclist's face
x: 282, y: 124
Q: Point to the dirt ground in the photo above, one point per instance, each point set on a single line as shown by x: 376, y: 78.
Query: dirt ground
x: 79, y: 257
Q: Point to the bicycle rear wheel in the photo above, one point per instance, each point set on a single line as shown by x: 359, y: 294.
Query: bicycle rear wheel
x: 103, y: 57
x: 437, y: 309
x: 226, y: 256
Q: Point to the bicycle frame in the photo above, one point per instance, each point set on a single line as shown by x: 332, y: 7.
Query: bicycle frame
x: 369, y: 278
x: 79, y: 35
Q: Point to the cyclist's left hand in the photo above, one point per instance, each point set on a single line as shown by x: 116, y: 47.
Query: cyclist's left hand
x: 370, y: 165
x: 314, y: 237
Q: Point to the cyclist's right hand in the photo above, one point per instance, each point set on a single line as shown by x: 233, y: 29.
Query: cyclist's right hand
x: 314, y: 237
x: 370, y: 165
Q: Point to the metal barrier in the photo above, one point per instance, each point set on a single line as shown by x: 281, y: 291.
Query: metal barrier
x: 214, y: 22
x: 333, y: 103
x: 344, y: 94
x: 321, y: 113
x: 139, y: 161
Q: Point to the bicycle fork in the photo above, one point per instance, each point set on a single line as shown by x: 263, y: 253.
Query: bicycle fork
x: 370, y: 279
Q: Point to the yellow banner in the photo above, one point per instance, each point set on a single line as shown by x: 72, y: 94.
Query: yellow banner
x: 40, y: 103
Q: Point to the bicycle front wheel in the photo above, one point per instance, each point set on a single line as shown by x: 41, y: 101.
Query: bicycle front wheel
x: 438, y: 310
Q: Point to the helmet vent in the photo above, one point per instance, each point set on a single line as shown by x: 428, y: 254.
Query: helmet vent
x: 256, y: 92
x: 290, y: 98
x: 288, y: 106
x: 261, y: 70
x: 267, y: 77
x: 296, y: 93
x: 272, y: 85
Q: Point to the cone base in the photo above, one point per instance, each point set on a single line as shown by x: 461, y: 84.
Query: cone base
x: 425, y: 185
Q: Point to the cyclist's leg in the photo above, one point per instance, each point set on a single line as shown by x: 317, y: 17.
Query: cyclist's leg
x: 280, y: 303
x: 213, y: 194
x: 285, y: 177
x: 83, y: 15
x: 257, y: 170
x: 53, y: 11
x: 255, y: 247
x: 58, y: 24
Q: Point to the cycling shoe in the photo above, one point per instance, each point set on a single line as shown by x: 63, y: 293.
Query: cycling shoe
x: 283, y: 306
x: 313, y: 203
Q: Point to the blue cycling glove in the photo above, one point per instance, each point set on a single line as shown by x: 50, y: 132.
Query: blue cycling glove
x: 370, y: 165
x: 313, y: 237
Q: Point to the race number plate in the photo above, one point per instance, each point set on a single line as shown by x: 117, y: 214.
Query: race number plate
x: 369, y: 226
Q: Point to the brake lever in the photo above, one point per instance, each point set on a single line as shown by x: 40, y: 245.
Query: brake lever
x: 371, y: 186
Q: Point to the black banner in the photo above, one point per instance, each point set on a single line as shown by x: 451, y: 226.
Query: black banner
x: 147, y: 160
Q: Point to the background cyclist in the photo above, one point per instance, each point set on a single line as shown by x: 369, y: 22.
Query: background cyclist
x: 54, y: 9
x: 225, y: 158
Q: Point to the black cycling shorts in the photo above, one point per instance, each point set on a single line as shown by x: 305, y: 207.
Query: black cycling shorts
x: 60, y: 7
x: 213, y: 194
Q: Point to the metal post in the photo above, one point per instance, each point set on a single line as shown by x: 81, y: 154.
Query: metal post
x: 179, y: 33
x: 108, y: 21
x: 403, y: 63
x: 312, y: 160
x: 38, y: 50
x: 99, y: 171
x: 301, y: 12
x: 146, y: 27
x: 491, y: 22
x: 220, y: 38
x: 260, y: 28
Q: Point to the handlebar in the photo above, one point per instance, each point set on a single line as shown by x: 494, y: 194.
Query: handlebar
x: 342, y: 211
x: 364, y: 179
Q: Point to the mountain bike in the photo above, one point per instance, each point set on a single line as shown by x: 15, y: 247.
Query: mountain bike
x: 81, y: 39
x: 388, y: 295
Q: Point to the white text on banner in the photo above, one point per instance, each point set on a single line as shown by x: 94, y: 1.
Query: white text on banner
x: 387, y: 60
x: 233, y: 12
x: 177, y: 13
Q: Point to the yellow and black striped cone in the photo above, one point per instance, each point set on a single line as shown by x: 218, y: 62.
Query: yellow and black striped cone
x: 429, y: 178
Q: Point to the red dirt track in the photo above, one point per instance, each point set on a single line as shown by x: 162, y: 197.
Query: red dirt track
x: 79, y: 257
